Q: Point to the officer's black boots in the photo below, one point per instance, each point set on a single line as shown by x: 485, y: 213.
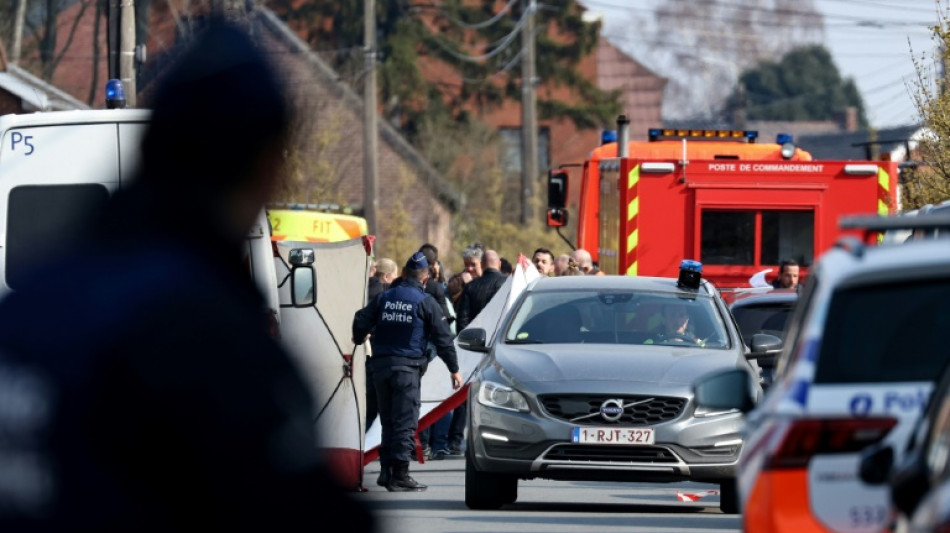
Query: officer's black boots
x: 385, y: 476
x: 402, y: 482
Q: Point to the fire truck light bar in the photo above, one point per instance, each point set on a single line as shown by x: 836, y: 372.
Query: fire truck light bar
x: 657, y: 134
x: 657, y: 168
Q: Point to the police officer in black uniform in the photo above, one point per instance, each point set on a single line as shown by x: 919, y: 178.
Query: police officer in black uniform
x: 403, y: 319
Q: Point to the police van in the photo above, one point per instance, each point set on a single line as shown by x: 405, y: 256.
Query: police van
x: 57, y: 169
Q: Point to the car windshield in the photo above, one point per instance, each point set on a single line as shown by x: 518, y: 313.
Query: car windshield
x: 617, y: 317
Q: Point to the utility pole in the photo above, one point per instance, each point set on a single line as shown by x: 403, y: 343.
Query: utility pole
x: 120, y: 31
x: 370, y: 130
x: 127, y: 50
x: 113, y: 35
x: 15, y: 50
x: 529, y: 120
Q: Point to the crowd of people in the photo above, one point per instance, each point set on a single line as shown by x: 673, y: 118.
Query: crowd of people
x: 460, y: 297
x: 409, y: 345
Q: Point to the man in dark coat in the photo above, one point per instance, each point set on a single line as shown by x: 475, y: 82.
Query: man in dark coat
x: 156, y: 399
x: 480, y: 291
x: 476, y: 296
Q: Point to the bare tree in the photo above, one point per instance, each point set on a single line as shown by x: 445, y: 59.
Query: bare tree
x: 930, y: 181
x: 44, y: 26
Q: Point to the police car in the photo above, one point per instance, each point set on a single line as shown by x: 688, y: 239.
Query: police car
x: 863, y: 349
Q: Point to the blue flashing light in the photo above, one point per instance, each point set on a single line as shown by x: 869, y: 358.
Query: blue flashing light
x: 783, y: 138
x: 691, y: 265
x: 751, y: 135
x: 691, y: 272
x: 115, y: 94
x: 608, y: 136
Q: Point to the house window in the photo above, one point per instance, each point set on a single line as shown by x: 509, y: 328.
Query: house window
x: 511, y: 150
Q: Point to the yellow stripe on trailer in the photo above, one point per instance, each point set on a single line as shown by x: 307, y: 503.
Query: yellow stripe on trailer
x: 314, y: 226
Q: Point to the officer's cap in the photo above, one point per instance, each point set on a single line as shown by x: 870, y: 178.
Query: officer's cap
x: 418, y: 261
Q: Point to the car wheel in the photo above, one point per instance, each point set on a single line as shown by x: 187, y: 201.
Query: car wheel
x: 728, y: 497
x: 484, y: 490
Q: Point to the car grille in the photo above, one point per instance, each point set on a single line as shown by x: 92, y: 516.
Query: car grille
x: 577, y: 408
x: 620, y: 454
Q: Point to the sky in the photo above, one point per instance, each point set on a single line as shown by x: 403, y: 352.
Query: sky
x: 871, y: 42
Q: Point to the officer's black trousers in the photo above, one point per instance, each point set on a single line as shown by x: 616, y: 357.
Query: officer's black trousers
x: 398, y: 400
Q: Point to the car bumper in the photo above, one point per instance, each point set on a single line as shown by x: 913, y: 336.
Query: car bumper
x: 535, y: 447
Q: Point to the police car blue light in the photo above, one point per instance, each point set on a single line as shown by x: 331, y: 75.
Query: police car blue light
x: 115, y: 94
x: 691, y: 273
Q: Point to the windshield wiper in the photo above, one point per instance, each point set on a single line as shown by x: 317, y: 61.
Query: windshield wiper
x: 524, y: 341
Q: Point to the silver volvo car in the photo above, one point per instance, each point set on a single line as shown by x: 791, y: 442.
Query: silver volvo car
x: 589, y: 379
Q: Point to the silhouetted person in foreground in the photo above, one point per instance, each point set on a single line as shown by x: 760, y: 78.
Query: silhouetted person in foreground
x: 156, y: 398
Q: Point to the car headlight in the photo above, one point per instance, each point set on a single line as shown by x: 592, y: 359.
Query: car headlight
x: 705, y: 412
x: 498, y: 395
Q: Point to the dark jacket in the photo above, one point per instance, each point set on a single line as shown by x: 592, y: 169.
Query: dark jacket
x: 164, y: 397
x: 374, y: 286
x: 403, y: 319
x: 477, y: 295
x: 435, y: 288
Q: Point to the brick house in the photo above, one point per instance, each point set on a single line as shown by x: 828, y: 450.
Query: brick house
x: 641, y: 89
x: 560, y: 141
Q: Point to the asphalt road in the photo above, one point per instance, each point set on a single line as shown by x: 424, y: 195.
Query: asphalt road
x: 543, y: 506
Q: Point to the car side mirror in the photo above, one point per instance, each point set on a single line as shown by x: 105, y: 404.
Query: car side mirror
x: 557, y: 198
x: 876, y: 464
x: 557, y: 189
x: 303, y: 279
x: 303, y: 285
x: 763, y: 345
x: 731, y: 389
x: 472, y: 339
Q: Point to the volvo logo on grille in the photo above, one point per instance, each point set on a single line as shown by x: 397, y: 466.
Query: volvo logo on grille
x: 611, y: 410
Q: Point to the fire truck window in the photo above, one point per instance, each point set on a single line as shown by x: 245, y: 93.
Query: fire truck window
x: 43, y: 220
x: 788, y: 234
x: 728, y: 237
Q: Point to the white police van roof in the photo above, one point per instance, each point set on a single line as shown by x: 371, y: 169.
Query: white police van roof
x: 81, y: 116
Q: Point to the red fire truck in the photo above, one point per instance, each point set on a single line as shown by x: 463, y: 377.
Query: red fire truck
x: 719, y: 197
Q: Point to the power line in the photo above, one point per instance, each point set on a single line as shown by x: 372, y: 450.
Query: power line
x: 479, y: 25
x: 888, y: 85
x: 903, y: 8
x: 502, y: 44
x: 783, y: 11
x: 886, y: 68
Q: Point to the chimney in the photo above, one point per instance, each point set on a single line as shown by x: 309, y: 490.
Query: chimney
x: 851, y: 119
